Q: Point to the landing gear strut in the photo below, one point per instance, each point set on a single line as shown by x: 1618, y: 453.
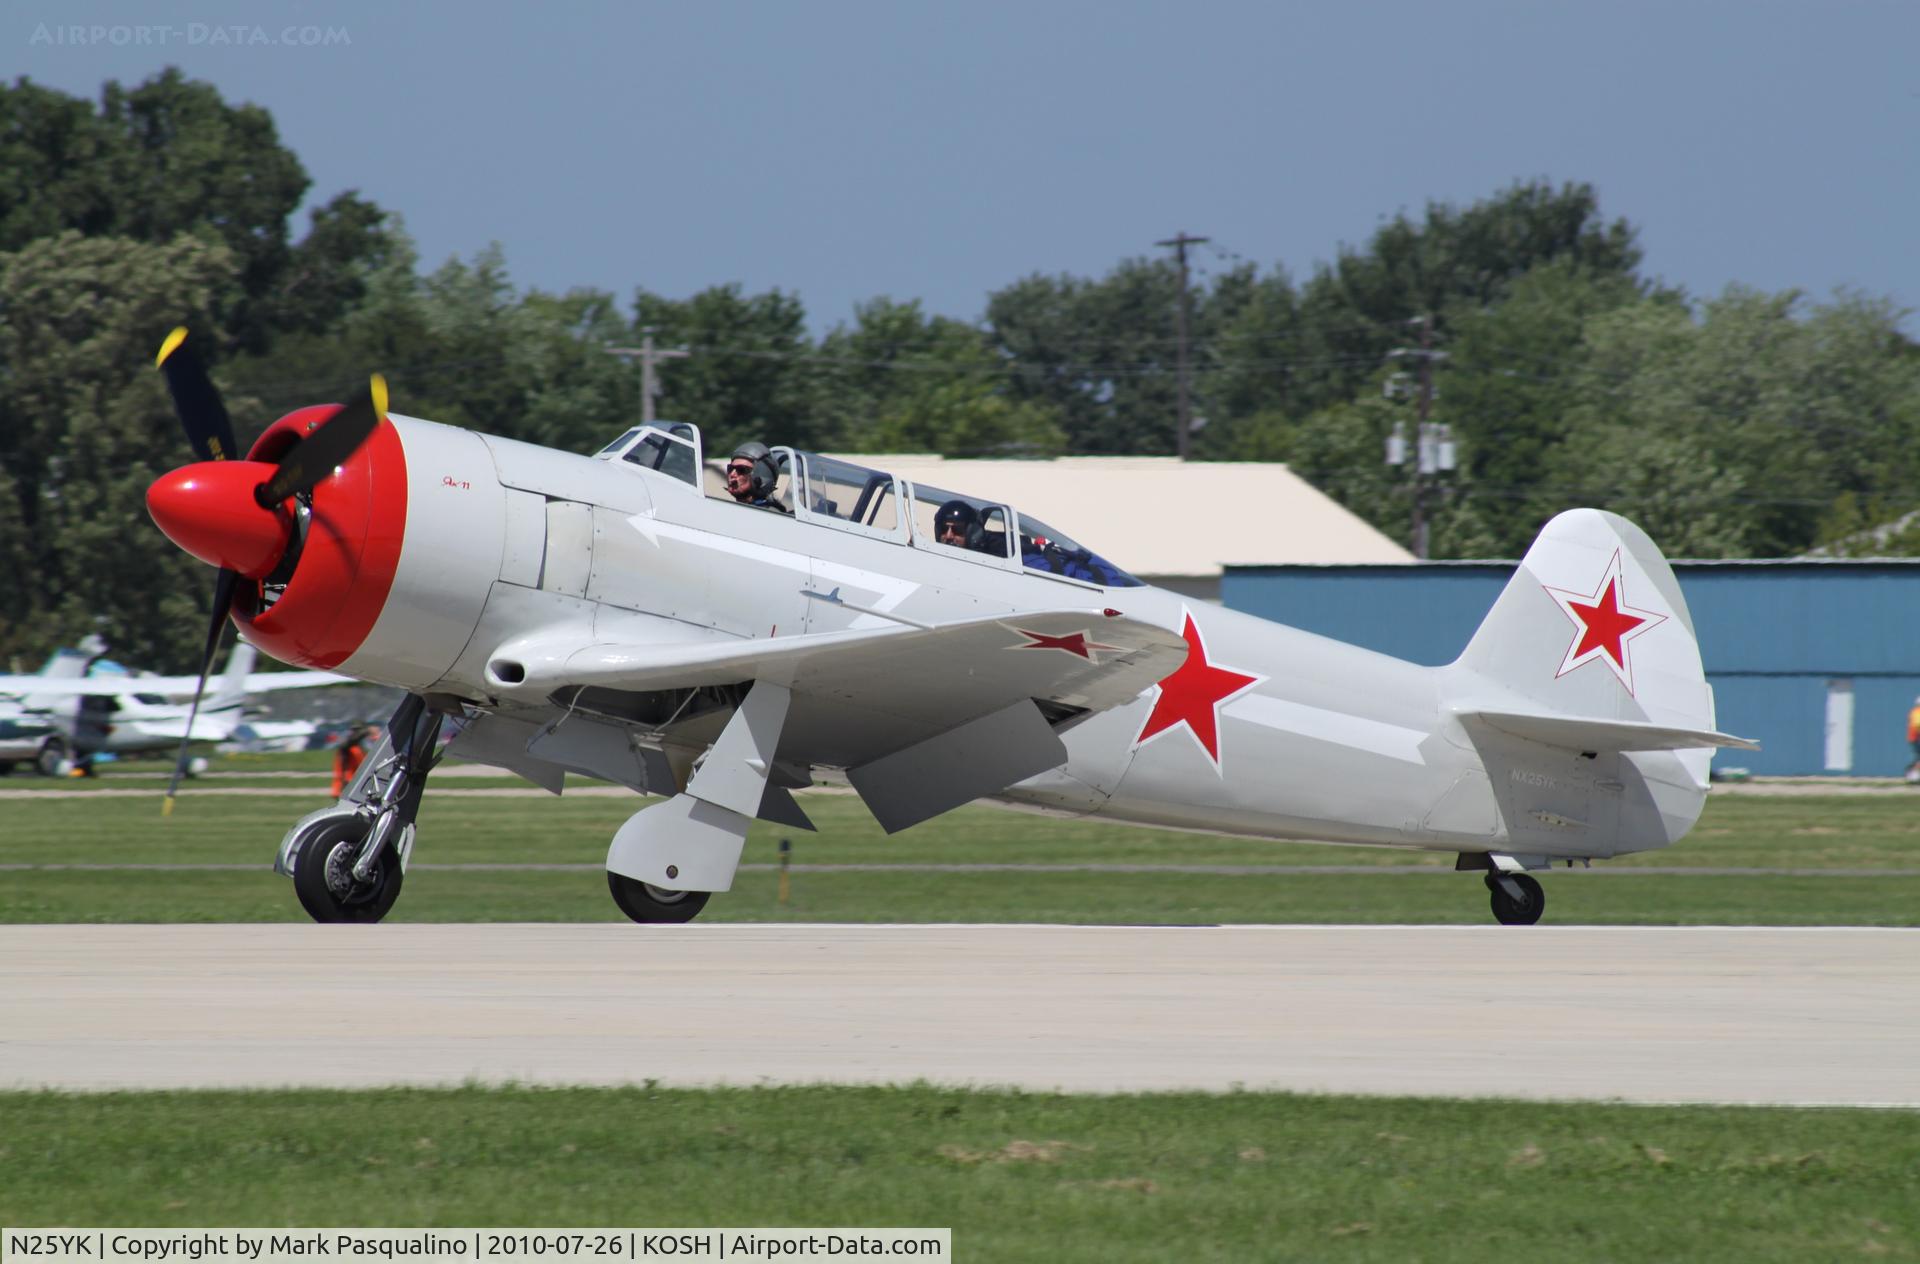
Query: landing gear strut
x: 1517, y: 898
x: 348, y: 861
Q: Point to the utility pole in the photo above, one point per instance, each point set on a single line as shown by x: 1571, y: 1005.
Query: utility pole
x: 1180, y: 242
x: 1433, y: 445
x: 649, y: 380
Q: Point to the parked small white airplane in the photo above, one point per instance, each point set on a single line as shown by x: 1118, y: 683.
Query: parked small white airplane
x: 54, y: 685
x: 124, y: 714
x: 612, y: 616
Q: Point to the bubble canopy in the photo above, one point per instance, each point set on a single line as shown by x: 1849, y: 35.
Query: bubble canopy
x: 834, y: 493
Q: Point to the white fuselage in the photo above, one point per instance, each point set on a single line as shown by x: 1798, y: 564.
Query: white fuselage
x: 1277, y: 733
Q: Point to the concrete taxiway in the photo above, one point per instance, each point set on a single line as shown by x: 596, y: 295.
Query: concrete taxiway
x: 1710, y: 1014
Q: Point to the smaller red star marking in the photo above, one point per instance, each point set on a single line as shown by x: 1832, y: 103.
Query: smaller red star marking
x: 1192, y: 696
x: 1072, y: 643
x: 1604, y: 624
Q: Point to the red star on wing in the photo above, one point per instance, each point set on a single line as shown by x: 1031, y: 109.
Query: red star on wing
x: 1193, y: 695
x: 1604, y: 624
x: 1072, y: 643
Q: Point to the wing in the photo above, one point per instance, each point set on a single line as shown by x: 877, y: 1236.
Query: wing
x: 78, y: 686
x: 160, y: 686
x: 860, y: 695
x: 271, y: 682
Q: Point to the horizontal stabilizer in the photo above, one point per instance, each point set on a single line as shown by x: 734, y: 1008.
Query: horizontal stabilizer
x: 1576, y: 732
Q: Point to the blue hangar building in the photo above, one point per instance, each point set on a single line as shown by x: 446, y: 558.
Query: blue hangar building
x: 1817, y: 660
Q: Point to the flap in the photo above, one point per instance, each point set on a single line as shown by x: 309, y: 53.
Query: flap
x: 958, y: 766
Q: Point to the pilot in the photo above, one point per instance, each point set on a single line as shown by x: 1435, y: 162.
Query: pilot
x: 750, y: 477
x: 957, y: 525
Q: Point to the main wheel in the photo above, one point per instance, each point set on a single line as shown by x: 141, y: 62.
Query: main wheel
x: 323, y: 874
x: 644, y: 902
x: 52, y: 759
x: 1522, y: 912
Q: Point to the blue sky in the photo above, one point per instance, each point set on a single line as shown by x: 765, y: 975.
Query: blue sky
x: 848, y: 149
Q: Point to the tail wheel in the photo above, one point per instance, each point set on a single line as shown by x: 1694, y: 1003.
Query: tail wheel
x: 644, y: 902
x: 1507, y: 910
x: 323, y: 874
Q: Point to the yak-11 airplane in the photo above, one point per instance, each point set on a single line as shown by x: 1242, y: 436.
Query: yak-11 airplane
x: 614, y: 616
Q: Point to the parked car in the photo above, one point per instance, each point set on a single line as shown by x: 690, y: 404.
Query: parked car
x: 27, y: 738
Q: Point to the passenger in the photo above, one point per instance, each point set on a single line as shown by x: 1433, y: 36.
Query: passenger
x: 751, y: 475
x: 1041, y: 555
x: 1061, y: 557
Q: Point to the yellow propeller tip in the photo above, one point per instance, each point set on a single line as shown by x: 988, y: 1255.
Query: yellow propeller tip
x: 171, y: 345
x: 379, y: 386
x: 166, y: 806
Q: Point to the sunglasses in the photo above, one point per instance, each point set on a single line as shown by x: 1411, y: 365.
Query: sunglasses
x: 739, y: 469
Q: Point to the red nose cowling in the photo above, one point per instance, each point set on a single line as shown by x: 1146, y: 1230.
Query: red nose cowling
x: 208, y: 509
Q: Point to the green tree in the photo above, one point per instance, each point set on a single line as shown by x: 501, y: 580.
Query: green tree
x: 1449, y: 263
x: 1747, y: 430
x: 748, y: 372
x: 1510, y: 382
x: 1100, y: 355
x: 899, y: 381
x: 1249, y: 362
x: 1341, y: 451
x: 85, y: 426
x: 169, y: 157
x: 461, y: 346
x: 57, y: 166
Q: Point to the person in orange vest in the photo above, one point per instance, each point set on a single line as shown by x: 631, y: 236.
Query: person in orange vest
x: 1913, y: 740
x: 347, y: 757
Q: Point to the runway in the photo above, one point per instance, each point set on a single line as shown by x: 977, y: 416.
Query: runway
x: 1711, y: 1014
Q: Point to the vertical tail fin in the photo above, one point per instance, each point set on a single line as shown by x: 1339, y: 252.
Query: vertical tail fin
x: 1584, y: 693
x: 1593, y: 625
x: 64, y: 664
x: 232, y: 686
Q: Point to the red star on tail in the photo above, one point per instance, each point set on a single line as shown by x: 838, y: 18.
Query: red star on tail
x: 1603, y: 624
x: 1192, y: 696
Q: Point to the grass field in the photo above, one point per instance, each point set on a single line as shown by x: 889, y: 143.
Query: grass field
x: 1016, y: 1176
x: 1782, y: 838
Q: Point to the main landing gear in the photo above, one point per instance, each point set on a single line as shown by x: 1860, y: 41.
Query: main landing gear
x: 1517, y: 898
x: 644, y: 902
x: 670, y: 857
x: 348, y: 861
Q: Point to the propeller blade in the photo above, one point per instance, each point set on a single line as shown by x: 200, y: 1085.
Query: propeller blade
x: 195, y: 400
x: 223, y: 589
x: 315, y: 457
